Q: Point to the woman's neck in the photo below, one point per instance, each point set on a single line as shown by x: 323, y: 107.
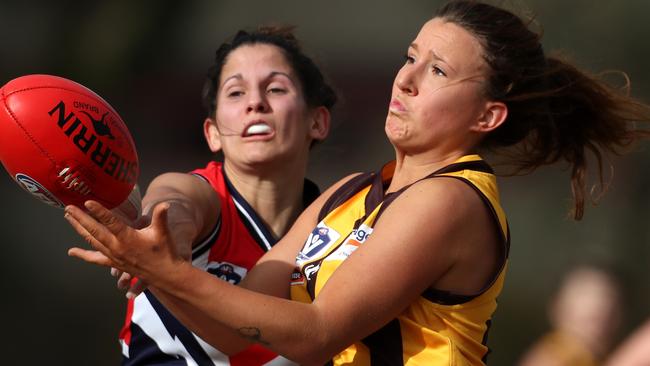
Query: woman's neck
x: 275, y: 194
x: 411, y: 168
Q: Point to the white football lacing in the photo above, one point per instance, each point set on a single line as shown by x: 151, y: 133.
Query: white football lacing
x: 74, y: 181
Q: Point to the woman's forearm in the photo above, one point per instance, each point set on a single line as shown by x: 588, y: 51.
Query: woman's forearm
x: 217, y: 311
x: 213, y: 332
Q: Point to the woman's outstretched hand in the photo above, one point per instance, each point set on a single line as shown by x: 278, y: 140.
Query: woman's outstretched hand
x: 142, y: 253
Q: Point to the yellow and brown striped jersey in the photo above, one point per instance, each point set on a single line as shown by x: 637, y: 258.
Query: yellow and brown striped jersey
x: 439, y: 328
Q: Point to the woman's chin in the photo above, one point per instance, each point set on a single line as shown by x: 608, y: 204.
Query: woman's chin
x: 395, y: 132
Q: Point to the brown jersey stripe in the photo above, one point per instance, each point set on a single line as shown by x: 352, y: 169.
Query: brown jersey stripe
x: 345, y: 192
x: 385, y: 345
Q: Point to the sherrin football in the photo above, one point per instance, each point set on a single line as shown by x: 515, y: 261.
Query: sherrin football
x: 64, y: 144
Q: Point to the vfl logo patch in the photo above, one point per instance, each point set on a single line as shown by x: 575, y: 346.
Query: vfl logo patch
x: 227, y: 272
x: 317, y: 242
x: 37, y: 190
x: 101, y: 127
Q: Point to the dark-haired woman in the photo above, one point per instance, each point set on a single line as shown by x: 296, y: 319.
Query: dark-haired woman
x: 267, y: 103
x: 401, y: 266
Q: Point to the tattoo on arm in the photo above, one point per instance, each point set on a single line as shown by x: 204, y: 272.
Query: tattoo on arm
x: 253, y: 334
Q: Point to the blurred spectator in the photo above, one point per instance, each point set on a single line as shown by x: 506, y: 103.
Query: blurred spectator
x: 584, y: 316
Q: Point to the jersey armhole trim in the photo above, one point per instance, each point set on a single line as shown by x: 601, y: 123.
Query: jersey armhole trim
x: 206, y: 243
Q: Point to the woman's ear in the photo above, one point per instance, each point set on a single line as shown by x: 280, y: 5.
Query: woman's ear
x: 319, y: 126
x: 493, y: 116
x: 211, y: 133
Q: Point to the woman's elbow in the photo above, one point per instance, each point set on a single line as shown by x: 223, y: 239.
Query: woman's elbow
x: 313, y: 351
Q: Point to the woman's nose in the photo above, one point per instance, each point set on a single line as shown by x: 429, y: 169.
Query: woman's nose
x: 405, y: 81
x: 257, y: 103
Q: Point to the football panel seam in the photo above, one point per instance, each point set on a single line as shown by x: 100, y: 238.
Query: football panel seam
x: 31, y: 138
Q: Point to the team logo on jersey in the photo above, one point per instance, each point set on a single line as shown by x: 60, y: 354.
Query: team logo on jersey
x: 37, y: 190
x: 310, y: 270
x: 318, y: 241
x: 227, y: 271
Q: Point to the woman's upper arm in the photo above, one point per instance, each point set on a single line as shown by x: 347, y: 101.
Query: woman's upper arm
x: 193, y: 201
x: 415, y: 242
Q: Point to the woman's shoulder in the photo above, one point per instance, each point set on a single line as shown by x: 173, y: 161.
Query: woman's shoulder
x: 446, y: 205
x: 440, y: 188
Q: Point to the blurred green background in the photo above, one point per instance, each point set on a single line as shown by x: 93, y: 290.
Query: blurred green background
x: 148, y: 59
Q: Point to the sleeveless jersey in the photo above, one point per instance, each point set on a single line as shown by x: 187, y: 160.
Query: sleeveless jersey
x: 152, y: 335
x: 439, y: 328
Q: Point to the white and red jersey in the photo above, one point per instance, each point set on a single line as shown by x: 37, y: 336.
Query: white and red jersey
x: 153, y: 336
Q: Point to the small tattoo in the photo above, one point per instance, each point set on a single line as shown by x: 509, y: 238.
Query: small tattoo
x: 253, y: 334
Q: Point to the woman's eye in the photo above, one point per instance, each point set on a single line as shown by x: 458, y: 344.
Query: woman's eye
x: 235, y: 93
x: 409, y: 59
x: 276, y: 90
x: 438, y: 71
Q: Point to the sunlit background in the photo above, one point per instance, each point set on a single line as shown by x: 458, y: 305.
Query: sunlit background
x: 148, y: 59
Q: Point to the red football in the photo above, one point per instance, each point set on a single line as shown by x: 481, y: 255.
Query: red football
x: 64, y: 144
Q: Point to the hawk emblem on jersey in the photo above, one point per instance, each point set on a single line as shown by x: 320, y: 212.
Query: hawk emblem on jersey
x: 310, y: 270
x: 318, y: 241
x: 227, y: 272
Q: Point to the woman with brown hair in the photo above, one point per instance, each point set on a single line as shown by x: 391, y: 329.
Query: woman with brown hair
x: 401, y: 266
